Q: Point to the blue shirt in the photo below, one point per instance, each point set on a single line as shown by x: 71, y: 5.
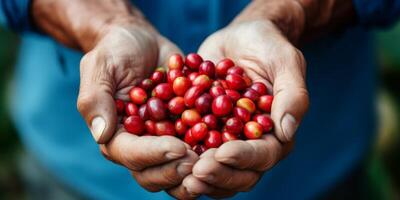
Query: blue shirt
x: 334, y: 137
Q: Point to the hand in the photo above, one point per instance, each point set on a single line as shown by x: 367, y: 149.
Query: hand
x: 266, y: 56
x: 122, y: 48
x: 125, y: 55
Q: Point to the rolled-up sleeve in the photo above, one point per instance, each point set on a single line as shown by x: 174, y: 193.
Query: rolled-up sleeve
x: 15, y: 14
x: 377, y: 13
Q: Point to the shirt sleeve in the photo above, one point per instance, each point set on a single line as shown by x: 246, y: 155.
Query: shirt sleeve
x: 377, y: 13
x: 15, y: 14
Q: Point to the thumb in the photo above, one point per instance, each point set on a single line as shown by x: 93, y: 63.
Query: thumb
x: 95, y: 101
x: 291, y: 99
x: 211, y: 49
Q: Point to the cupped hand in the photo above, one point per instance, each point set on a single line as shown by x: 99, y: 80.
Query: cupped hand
x: 124, y: 55
x: 266, y: 56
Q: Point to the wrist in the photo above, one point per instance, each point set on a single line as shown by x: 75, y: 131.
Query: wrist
x: 287, y: 15
x: 81, y: 24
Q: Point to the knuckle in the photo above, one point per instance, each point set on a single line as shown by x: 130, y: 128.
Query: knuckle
x: 268, y: 153
x: 171, y: 178
x: 88, y: 59
x: 84, y: 101
x: 144, y: 183
x: 303, y: 98
x: 132, y: 161
x: 249, y: 185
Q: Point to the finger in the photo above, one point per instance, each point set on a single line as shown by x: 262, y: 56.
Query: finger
x: 291, y: 99
x: 211, y: 50
x: 137, y: 153
x: 180, y: 192
x: 212, y: 172
x: 194, y: 187
x: 95, y: 100
x: 258, y: 155
x: 168, y: 175
x: 190, y: 188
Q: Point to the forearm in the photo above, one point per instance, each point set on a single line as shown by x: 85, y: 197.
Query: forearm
x: 80, y: 24
x: 301, y: 19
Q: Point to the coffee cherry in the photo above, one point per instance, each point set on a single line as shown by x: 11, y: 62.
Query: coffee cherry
x: 199, y: 131
x: 251, y: 94
x: 260, y: 88
x: 150, y: 127
x: 247, y: 104
x: 235, y: 82
x: 242, y: 114
x: 192, y: 94
x: 165, y: 128
x: 189, y: 139
x: 235, y: 70
x: 265, y: 103
x: 203, y: 103
x: 134, y: 125
x: 247, y: 80
x: 193, y: 76
x: 208, y: 68
x: 199, y: 148
x: 180, y: 127
x: 181, y: 85
x: 193, y: 61
x: 156, y: 109
x: 163, y: 91
x: 138, y: 95
x: 234, y: 125
x: 216, y: 91
x: 143, y: 112
x: 233, y: 94
x: 158, y: 77
x: 147, y: 84
x: 213, y: 139
x: 265, y: 121
x: 224, y: 84
x: 173, y: 74
x: 223, y: 66
x: 120, y: 106
x: 222, y: 106
x: 175, y: 62
x: 253, y: 130
x: 227, y: 136
x: 202, y: 81
x: 131, y: 109
x: 211, y: 121
x: 186, y: 71
x: 191, y: 117
x: 176, y: 105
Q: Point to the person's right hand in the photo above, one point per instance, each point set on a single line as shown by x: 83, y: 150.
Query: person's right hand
x: 124, y: 55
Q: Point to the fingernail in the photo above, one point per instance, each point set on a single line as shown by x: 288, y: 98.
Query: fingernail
x: 227, y: 160
x: 184, y: 169
x: 98, y: 126
x: 172, y: 155
x: 289, y: 126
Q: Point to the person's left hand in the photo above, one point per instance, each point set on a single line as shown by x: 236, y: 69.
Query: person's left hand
x: 266, y: 56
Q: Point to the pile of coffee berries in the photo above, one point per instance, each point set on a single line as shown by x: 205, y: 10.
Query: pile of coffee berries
x: 202, y: 103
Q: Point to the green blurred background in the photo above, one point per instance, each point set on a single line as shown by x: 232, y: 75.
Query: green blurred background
x: 382, y: 168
